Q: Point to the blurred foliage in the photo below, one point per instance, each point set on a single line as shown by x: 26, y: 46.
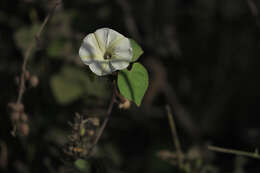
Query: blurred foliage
x: 82, y: 165
x: 24, y: 36
x: 72, y: 83
x: 207, y: 50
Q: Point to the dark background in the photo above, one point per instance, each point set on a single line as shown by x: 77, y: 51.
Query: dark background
x: 203, y: 60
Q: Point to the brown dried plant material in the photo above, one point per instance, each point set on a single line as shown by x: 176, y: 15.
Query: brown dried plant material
x: 95, y: 121
x: 15, y: 116
x: 19, y: 119
x: 17, y: 108
x: 82, y: 136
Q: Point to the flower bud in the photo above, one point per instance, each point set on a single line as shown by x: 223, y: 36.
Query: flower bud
x: 91, y: 132
x: 94, y: 121
x: 34, y: 81
x: 125, y: 105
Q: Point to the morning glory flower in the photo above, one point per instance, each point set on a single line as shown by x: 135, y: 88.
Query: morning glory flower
x: 106, y: 51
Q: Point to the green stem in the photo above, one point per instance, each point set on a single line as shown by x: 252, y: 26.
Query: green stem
x: 175, y: 137
x: 254, y: 155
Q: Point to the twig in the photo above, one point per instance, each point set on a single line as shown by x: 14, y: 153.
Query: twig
x: 254, y: 155
x: 21, y: 88
x: 29, y: 50
x: 175, y: 137
x: 108, y: 115
x: 181, y: 112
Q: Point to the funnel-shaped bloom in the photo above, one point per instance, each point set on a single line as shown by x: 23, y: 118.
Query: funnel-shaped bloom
x: 106, y: 51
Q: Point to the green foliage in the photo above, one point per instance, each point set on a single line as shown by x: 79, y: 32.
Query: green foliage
x: 134, y: 83
x: 25, y: 35
x: 67, y: 89
x: 82, y: 165
x: 55, y: 48
x: 137, y: 50
x: 72, y: 83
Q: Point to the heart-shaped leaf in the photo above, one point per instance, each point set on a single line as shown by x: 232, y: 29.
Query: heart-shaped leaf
x: 137, y: 50
x: 134, y: 83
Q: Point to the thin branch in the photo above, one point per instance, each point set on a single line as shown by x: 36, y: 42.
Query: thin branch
x: 254, y: 155
x: 180, y: 111
x: 175, y: 137
x: 21, y: 88
x: 108, y: 115
x: 29, y: 50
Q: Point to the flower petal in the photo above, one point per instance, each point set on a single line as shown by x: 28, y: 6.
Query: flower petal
x: 102, y: 37
x: 102, y: 41
x: 122, y: 50
x: 113, y: 37
x: 107, y: 37
x: 119, y: 65
x: 89, y: 50
x: 101, y: 68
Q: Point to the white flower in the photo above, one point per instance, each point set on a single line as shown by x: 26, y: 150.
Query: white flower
x: 106, y: 51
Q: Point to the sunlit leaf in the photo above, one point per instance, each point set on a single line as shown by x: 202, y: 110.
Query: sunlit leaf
x: 137, y: 50
x: 134, y: 83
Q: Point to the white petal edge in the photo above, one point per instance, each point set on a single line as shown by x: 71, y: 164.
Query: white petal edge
x: 102, y: 36
x: 119, y: 65
x: 107, y: 36
x: 101, y: 68
x: 89, y: 50
x: 123, y: 50
x: 112, y: 37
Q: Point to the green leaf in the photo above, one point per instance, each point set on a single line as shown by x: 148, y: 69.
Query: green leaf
x: 64, y: 90
x: 82, y: 165
x: 137, y: 50
x: 68, y: 85
x: 134, y: 83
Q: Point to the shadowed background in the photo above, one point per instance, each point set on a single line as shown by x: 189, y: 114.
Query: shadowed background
x: 203, y: 60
